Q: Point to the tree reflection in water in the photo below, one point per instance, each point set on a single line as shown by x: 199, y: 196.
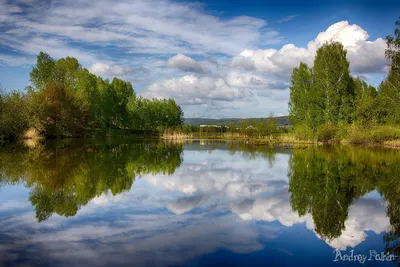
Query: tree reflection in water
x: 65, y: 177
x: 325, y: 181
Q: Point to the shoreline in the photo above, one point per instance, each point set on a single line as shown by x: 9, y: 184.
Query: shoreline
x: 286, y: 140
x: 283, y: 140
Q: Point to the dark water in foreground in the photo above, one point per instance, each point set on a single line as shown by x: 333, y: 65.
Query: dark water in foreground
x: 197, y: 204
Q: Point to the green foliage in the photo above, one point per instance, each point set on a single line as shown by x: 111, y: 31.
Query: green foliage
x: 303, y: 132
x: 302, y: 108
x: 42, y: 72
x: 331, y: 81
x: 270, y: 126
x: 390, y: 88
x: 326, y: 132
x: 323, y: 94
x: 154, y: 114
x: 13, y: 114
x: 366, y: 102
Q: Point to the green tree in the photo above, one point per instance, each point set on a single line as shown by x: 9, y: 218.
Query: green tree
x: 305, y: 104
x: 331, y: 78
x: 390, y: 87
x: 365, y: 103
x: 43, y: 72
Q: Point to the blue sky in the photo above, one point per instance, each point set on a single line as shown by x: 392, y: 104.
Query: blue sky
x: 216, y: 58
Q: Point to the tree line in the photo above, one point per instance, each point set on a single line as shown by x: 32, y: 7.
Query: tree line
x: 65, y: 99
x: 326, y: 98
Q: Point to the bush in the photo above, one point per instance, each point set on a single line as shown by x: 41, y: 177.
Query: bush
x: 326, y: 132
x: 13, y: 115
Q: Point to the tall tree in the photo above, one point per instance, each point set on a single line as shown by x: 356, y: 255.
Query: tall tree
x: 390, y: 88
x: 43, y: 72
x: 304, y: 105
x: 331, y: 77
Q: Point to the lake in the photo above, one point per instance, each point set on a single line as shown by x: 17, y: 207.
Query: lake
x: 197, y: 203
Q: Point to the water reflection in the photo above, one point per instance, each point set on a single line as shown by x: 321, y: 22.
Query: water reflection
x: 63, y: 178
x: 326, y: 181
x: 194, y: 204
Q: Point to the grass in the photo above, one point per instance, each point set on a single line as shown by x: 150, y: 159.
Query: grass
x: 378, y: 134
x: 369, y: 135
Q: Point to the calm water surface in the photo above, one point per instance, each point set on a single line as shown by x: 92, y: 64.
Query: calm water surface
x: 124, y: 203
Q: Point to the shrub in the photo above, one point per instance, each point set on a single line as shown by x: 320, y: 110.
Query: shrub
x: 326, y: 132
x: 303, y: 132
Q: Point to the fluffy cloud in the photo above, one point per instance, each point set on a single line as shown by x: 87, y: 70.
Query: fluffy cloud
x: 253, y: 81
x: 360, y: 221
x: 184, y: 204
x: 241, y: 61
x: 231, y: 86
x: 101, y: 68
x: 194, y: 90
x: 364, y: 56
x: 144, y: 239
x: 186, y: 63
x: 277, y: 207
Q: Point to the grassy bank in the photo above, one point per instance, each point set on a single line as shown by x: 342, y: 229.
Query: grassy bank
x: 368, y: 135
x: 269, y: 140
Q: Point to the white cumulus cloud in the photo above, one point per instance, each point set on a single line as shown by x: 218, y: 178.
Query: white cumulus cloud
x: 185, y: 63
x: 193, y: 89
x: 364, y: 56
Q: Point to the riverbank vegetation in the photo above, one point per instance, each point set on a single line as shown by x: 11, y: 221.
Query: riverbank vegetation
x: 328, y: 104
x: 66, y: 100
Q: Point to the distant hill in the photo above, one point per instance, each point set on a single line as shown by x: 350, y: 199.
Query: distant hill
x: 282, y: 121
